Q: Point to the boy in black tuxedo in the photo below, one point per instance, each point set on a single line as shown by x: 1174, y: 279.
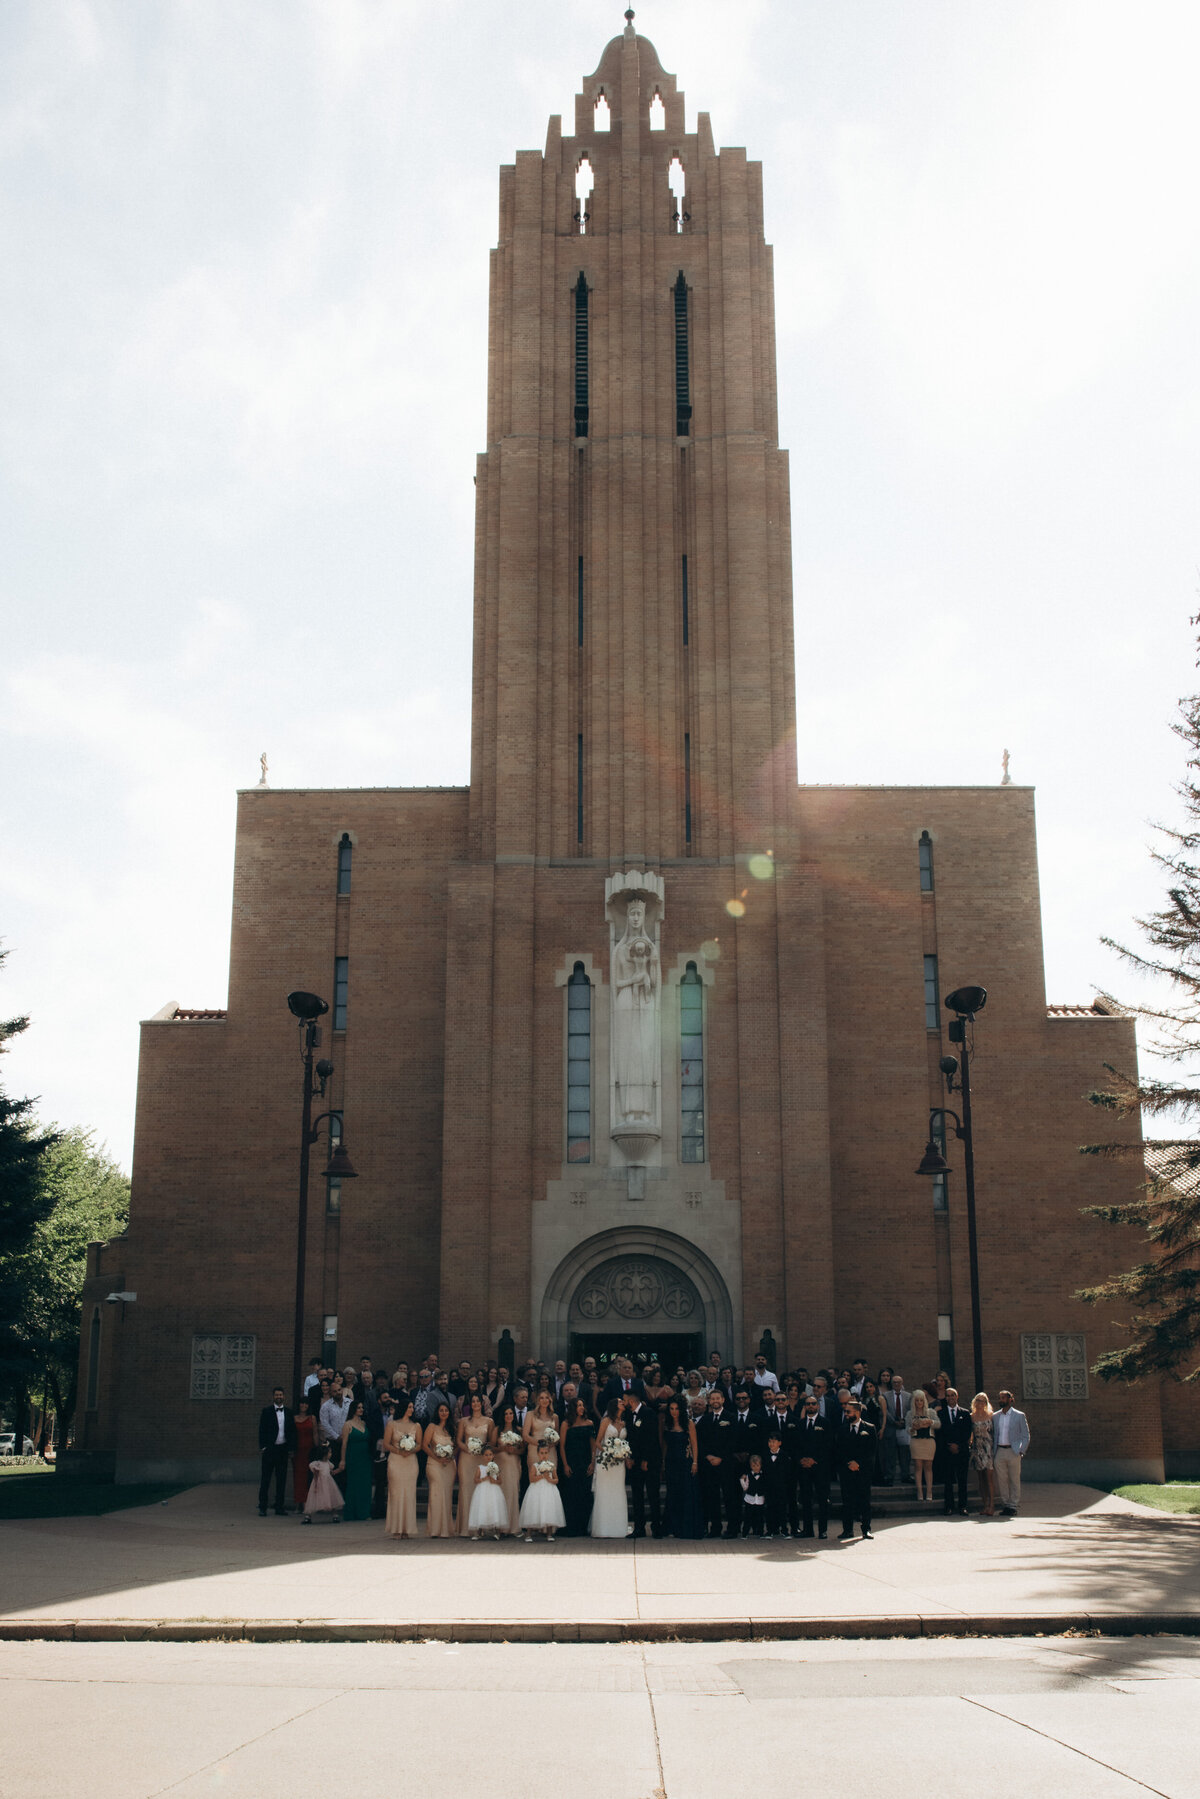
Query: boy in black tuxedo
x: 779, y: 1485
x: 754, y: 1498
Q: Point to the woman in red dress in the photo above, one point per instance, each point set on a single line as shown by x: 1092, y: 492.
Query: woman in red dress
x: 305, y: 1426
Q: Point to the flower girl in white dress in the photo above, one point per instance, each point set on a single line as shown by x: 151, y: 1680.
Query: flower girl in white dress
x: 542, y: 1508
x: 610, y: 1507
x: 489, y: 1508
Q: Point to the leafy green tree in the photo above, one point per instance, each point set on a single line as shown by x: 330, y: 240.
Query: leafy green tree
x: 24, y: 1203
x: 89, y: 1199
x: 1160, y: 1295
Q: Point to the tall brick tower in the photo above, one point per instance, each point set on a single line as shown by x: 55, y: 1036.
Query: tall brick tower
x: 634, y: 696
x: 634, y: 691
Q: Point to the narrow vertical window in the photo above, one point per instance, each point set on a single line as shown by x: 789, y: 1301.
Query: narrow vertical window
x: 691, y: 1066
x: 941, y: 1201
x: 579, y: 788
x: 341, y: 991
x: 581, y: 356
x: 345, y: 859
x: 683, y: 410
x: 579, y: 1066
x: 658, y: 112
x: 93, y: 1380
x: 925, y: 861
x: 602, y: 113
x: 685, y: 604
x: 677, y: 182
x: 579, y: 604
x: 585, y: 181
x: 932, y: 1020
x: 687, y: 787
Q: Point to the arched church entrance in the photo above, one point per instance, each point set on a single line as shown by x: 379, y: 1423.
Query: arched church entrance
x: 637, y: 1292
x: 639, y: 1306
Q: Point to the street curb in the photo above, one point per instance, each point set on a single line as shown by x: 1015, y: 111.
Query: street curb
x: 625, y: 1630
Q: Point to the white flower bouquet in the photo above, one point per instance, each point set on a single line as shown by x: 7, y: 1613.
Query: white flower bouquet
x: 550, y: 1436
x: 510, y: 1438
x: 490, y: 1469
x: 475, y: 1445
x: 408, y: 1442
x: 543, y: 1467
x: 614, y: 1452
x: 443, y: 1451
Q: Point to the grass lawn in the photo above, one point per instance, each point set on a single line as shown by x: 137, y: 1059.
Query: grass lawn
x: 39, y: 1493
x: 1172, y: 1496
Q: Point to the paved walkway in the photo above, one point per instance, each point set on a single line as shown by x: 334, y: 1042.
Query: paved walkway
x: 1043, y: 1718
x: 206, y: 1565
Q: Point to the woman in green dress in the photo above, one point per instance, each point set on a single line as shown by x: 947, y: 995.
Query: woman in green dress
x: 356, y: 1466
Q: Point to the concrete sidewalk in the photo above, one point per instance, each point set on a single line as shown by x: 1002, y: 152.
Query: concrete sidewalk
x: 205, y: 1565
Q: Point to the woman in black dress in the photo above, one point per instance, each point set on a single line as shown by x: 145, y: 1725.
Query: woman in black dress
x: 578, y: 1451
x: 683, y: 1516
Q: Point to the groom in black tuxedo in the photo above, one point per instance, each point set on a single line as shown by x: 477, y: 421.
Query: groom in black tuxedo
x: 645, y: 1464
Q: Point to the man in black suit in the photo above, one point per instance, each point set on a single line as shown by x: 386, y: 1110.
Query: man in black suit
x: 854, y: 1454
x: 813, y: 1451
x: 276, y: 1440
x: 954, y: 1441
x: 714, y: 1439
x: 622, y: 1383
x: 520, y: 1405
x: 645, y: 1464
x: 747, y: 1441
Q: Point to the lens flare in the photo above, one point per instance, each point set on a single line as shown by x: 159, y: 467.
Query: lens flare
x: 762, y: 867
x: 735, y: 908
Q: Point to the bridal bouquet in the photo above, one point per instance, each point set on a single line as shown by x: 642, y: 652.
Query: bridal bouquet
x: 614, y: 1452
x: 543, y: 1467
x: 549, y: 1436
x: 490, y: 1469
x: 475, y: 1445
x: 443, y: 1451
x: 408, y: 1442
x: 510, y: 1438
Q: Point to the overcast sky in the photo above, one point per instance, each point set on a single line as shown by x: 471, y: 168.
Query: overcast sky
x: 243, y: 309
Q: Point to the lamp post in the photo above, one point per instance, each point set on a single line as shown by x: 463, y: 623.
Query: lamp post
x: 964, y: 1002
x: 307, y: 1008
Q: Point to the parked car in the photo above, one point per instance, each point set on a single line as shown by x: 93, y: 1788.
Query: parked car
x: 8, y: 1444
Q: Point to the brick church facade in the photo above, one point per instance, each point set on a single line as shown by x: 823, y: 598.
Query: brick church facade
x: 635, y: 1038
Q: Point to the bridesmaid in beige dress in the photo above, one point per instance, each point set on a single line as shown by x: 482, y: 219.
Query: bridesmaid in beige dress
x: 439, y: 1473
x: 401, y: 1440
x: 509, y: 1457
x: 540, y: 1418
x: 477, y: 1427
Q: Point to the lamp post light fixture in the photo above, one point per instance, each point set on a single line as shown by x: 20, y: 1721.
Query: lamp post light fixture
x: 964, y: 1002
x: 306, y: 1008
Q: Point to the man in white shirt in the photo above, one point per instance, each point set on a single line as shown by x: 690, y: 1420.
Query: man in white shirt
x: 336, y: 1410
x: 1010, y: 1439
x: 763, y: 1376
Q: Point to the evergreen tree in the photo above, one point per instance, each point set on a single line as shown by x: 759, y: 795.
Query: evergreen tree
x: 1160, y: 1296
x: 24, y: 1203
x: 89, y: 1202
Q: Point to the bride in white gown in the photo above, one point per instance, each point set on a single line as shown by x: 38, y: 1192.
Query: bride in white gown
x: 610, y: 1508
